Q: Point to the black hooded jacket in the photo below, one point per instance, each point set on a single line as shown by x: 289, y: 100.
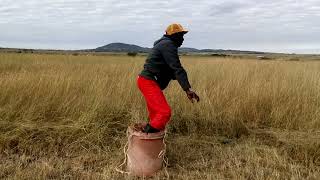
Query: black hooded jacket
x: 163, y: 64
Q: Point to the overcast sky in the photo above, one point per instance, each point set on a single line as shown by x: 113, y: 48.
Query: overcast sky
x: 268, y: 25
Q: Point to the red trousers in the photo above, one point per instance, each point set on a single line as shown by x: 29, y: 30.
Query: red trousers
x: 158, y: 108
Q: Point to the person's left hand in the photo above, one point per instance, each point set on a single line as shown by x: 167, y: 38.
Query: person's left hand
x: 192, y: 95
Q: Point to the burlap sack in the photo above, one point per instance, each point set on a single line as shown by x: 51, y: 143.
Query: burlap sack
x: 145, y: 151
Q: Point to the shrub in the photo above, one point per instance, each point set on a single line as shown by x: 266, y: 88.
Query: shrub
x: 133, y: 54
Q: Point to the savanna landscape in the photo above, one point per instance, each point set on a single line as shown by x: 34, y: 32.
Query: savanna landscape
x: 65, y: 117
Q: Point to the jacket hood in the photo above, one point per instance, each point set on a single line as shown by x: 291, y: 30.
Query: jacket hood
x: 161, y: 39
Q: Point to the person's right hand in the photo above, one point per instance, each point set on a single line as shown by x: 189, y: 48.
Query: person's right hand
x: 192, y: 95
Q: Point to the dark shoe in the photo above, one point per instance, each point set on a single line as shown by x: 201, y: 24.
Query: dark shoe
x: 150, y: 129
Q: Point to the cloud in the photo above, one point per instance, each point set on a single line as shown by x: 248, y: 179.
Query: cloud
x: 227, y: 7
x: 213, y: 24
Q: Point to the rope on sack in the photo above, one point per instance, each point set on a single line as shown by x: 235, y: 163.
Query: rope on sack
x: 125, y: 152
x: 164, y: 157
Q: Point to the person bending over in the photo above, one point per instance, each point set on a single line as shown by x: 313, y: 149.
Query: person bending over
x: 163, y: 65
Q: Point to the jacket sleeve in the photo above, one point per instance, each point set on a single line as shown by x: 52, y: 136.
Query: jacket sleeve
x: 170, y: 55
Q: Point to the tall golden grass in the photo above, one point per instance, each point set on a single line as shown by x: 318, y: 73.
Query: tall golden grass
x: 64, y: 116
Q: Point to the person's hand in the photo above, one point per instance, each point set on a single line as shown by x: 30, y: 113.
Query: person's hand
x: 192, y: 95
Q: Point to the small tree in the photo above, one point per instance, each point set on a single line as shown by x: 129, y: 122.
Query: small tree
x: 133, y: 54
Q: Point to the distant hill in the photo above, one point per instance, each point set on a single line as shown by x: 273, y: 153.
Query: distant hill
x: 122, y: 47
x: 188, y: 50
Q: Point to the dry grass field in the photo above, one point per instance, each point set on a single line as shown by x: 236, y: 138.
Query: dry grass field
x: 65, y: 117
